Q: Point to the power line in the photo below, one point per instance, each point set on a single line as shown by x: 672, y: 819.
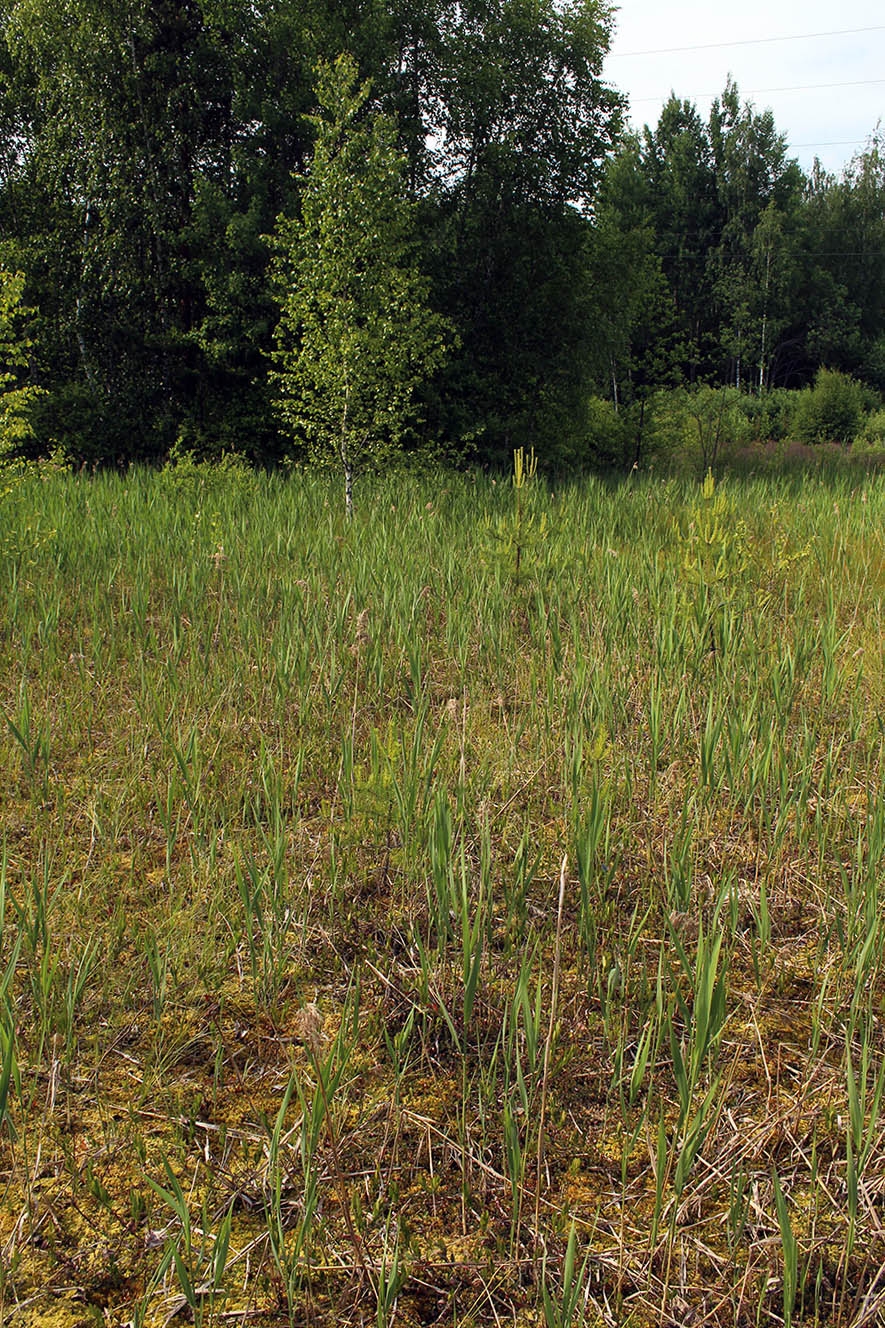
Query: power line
x: 831, y: 143
x: 753, y: 92
x: 750, y: 41
x: 811, y: 255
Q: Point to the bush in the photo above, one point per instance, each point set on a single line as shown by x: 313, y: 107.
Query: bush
x: 71, y: 418
x: 608, y: 435
x: 187, y: 474
x: 769, y: 417
x: 873, y: 430
x: 694, y: 426
x: 832, y: 410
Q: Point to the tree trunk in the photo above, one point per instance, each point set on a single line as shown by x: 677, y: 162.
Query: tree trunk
x: 85, y: 360
x: 637, y: 450
x: 348, y: 489
x: 764, y: 322
x: 346, y: 462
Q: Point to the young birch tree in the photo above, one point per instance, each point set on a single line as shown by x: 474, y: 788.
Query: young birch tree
x: 355, y: 337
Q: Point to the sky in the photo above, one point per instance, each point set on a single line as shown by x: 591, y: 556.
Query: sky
x: 830, y: 122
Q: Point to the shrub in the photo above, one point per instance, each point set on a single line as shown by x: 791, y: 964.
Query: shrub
x: 694, y: 426
x: 873, y: 429
x: 769, y: 416
x: 607, y: 433
x: 186, y: 474
x: 832, y: 410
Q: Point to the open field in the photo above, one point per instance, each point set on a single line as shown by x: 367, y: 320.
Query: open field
x: 389, y: 935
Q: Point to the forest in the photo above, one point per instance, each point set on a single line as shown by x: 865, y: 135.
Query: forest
x: 149, y: 151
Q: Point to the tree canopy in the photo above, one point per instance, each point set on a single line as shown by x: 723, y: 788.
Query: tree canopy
x: 147, y: 150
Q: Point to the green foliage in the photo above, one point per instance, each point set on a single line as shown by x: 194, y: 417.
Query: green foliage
x: 565, y: 1307
x: 153, y: 145
x: 523, y: 531
x: 842, y: 298
x: 692, y: 426
x: 713, y: 543
x: 769, y: 275
x: 9, y: 1071
x: 676, y: 164
x: 522, y: 125
x: 714, y: 417
x: 769, y: 415
x: 15, y: 401
x: 143, y: 181
x: 355, y: 337
x: 873, y: 429
x: 198, y: 1265
x: 790, y: 1250
x: 227, y: 475
x: 608, y: 433
x: 713, y: 540
x: 150, y: 148
x: 750, y: 265
x: 832, y: 410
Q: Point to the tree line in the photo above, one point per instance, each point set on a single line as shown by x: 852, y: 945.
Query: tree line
x: 153, y: 154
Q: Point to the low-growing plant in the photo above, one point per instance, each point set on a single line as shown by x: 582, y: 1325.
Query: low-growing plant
x: 218, y: 477
x: 199, y: 1265
x: 712, y: 541
x: 565, y: 1304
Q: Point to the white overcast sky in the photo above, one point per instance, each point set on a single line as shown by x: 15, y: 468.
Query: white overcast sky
x: 829, y: 122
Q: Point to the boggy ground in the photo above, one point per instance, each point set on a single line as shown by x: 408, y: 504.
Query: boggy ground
x: 392, y: 936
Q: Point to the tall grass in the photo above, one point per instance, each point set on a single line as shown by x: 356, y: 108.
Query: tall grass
x: 303, y: 1017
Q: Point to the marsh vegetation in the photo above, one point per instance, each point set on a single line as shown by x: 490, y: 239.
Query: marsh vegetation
x: 447, y: 916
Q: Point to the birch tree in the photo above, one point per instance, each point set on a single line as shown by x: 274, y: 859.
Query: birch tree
x: 355, y: 337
